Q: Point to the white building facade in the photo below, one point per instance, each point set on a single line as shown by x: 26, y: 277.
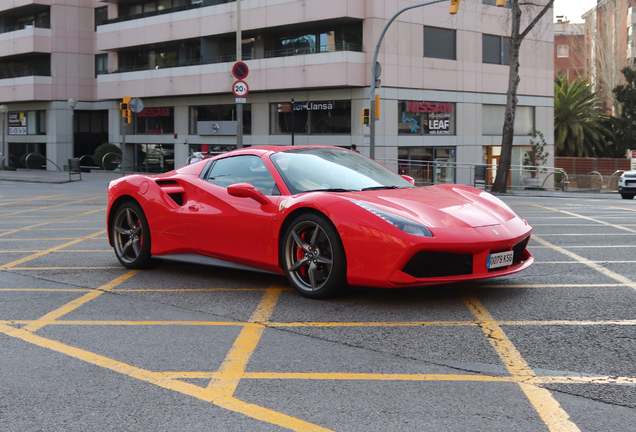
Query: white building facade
x: 443, y: 81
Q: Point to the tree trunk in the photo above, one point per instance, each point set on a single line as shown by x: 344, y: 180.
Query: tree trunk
x: 503, y: 168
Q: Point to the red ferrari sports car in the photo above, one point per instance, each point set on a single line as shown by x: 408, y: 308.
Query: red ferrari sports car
x: 324, y: 216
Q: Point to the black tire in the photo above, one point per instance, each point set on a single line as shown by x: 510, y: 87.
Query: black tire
x: 313, y: 257
x: 131, y: 236
x: 627, y: 196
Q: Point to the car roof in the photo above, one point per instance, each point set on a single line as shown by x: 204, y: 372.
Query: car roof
x: 261, y: 150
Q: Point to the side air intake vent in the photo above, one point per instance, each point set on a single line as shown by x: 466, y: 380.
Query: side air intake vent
x: 173, y: 189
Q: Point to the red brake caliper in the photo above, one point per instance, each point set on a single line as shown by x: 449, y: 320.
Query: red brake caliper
x: 300, y: 254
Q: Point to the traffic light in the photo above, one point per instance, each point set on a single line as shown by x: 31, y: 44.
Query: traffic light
x: 377, y: 106
x: 125, y: 109
x: 500, y: 3
x: 454, y: 6
x: 365, y: 116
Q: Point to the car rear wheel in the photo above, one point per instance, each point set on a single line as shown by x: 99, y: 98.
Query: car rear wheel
x: 131, y: 236
x: 313, y: 257
x: 627, y: 196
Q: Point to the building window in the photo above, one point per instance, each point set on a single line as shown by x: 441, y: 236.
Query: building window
x: 155, y: 121
x: 493, y: 119
x: 101, y: 14
x: 495, y: 49
x: 101, y: 64
x: 27, y: 123
x: 219, y: 113
x: 440, y: 43
x: 563, y: 51
x: 313, y: 118
x: 426, y: 118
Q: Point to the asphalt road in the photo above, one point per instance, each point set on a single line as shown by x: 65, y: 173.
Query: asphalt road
x: 87, y: 345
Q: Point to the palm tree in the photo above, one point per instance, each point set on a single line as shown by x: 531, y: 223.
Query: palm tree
x: 578, y: 119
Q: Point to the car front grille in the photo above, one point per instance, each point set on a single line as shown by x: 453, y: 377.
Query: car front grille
x: 428, y: 264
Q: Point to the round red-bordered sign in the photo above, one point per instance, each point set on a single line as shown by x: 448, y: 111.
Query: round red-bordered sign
x: 240, y: 70
x: 240, y: 88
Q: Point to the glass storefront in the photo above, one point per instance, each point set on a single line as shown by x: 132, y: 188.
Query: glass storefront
x: 428, y: 165
x: 312, y: 118
x: 154, y: 158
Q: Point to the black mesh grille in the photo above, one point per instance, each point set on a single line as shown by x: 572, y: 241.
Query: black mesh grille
x: 427, y: 264
x: 518, y: 250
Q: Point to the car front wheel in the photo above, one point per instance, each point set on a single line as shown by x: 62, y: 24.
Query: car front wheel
x: 131, y: 236
x: 313, y: 256
x: 627, y: 196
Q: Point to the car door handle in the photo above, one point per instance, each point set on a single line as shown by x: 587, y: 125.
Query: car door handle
x: 193, y: 207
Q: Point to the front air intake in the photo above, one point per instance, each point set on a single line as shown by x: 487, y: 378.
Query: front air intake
x: 428, y: 264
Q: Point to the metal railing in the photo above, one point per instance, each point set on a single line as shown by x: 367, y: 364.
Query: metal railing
x: 428, y: 173
x: 194, y: 5
x: 26, y: 160
x: 44, y: 25
x: 4, y: 74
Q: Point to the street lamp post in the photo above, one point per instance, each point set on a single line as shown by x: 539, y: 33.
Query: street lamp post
x: 375, y: 72
x: 3, y: 110
x: 72, y: 103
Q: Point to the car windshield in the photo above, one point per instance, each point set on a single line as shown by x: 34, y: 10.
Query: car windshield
x: 333, y: 169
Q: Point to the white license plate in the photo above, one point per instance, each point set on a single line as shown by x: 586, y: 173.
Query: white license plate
x: 501, y: 259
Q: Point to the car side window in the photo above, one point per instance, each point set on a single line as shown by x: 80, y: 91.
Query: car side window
x: 243, y: 169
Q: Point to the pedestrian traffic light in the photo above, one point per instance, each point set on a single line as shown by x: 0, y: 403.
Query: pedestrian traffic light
x: 125, y: 109
x: 377, y: 106
x: 454, y: 6
x: 365, y: 116
x: 500, y: 3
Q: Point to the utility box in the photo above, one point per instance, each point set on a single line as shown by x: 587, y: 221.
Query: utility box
x: 216, y: 128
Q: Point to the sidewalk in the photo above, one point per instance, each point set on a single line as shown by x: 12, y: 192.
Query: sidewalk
x: 58, y: 177
x: 54, y: 177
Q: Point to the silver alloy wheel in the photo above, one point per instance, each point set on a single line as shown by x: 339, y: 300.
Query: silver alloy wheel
x: 127, y: 235
x: 308, y: 256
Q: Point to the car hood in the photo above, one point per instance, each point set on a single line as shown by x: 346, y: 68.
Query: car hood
x: 443, y: 206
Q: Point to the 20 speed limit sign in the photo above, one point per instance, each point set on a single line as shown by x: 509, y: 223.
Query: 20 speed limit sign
x: 240, y: 88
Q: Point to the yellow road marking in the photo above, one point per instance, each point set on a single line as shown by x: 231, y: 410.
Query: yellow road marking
x: 49, y: 207
x: 50, y: 222
x: 236, y: 360
x: 66, y: 268
x: 48, y: 251
x: 555, y: 418
x: 69, y: 307
x: 31, y: 199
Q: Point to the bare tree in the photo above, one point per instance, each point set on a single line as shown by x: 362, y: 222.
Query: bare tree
x: 607, y: 43
x: 516, y: 37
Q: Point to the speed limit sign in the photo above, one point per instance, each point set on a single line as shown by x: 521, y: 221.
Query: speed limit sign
x: 240, y: 88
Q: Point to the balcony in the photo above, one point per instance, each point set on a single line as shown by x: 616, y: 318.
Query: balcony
x: 213, y: 76
x: 232, y: 58
x: 44, y: 25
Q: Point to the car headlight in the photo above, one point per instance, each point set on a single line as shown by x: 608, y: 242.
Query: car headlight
x: 402, y: 223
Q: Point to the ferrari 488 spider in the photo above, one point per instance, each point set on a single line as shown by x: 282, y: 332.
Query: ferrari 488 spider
x: 324, y: 216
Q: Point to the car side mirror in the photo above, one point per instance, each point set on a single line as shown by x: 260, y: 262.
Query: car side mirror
x: 246, y: 190
x: 408, y: 179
